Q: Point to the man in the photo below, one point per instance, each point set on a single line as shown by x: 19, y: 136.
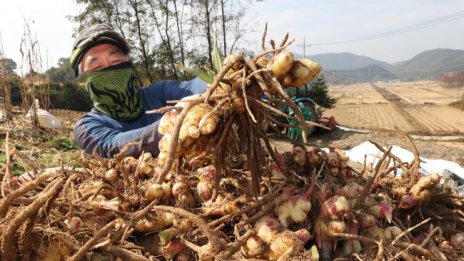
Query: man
x: 101, y: 64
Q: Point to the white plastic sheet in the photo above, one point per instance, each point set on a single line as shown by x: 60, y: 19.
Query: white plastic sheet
x: 438, y: 166
x: 46, y: 119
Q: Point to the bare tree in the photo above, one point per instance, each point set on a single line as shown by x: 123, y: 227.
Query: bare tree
x: 138, y: 11
x: 163, y: 8
x: 5, y: 82
x: 184, y: 30
x: 179, y: 15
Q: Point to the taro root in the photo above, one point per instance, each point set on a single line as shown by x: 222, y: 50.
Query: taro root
x: 280, y: 64
x: 167, y: 122
x: 295, y: 209
x: 267, y: 228
x: 205, y: 184
x: 155, y: 222
x: 301, y: 72
x: 421, y: 192
x: 287, y: 243
x: 335, y: 207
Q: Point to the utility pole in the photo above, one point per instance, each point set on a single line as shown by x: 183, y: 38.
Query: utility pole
x: 304, y: 45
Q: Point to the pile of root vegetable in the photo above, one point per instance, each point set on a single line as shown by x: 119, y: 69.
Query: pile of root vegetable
x: 218, y: 190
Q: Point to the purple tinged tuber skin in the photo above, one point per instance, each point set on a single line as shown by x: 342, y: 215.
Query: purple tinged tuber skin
x: 352, y: 246
x: 350, y: 190
x: 335, y: 207
x: 173, y: 248
x: 254, y: 247
x: 266, y: 228
x: 324, y: 193
x: 205, y: 185
x: 276, y: 173
x: 421, y: 192
x: 74, y: 224
x: 380, y: 208
x: 204, y: 190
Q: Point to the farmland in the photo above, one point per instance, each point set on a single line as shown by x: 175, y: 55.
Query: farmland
x: 416, y: 107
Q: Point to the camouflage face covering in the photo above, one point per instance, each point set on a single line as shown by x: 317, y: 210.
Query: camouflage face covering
x: 114, y: 91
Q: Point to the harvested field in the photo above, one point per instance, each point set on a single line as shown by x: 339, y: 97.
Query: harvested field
x: 438, y: 119
x: 362, y: 93
x: 425, y: 92
x: 370, y: 116
x: 406, y: 105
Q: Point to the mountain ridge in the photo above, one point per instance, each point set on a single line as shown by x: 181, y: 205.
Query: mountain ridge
x: 347, y: 67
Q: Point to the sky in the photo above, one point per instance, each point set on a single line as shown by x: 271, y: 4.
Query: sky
x: 328, y: 21
x: 386, y: 30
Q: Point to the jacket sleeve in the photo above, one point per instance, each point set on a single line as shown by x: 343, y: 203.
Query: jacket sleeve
x: 97, y: 137
x: 174, y: 90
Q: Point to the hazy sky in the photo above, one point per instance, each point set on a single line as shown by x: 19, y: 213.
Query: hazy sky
x: 424, y: 25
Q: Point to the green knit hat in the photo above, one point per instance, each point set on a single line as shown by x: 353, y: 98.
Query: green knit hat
x: 92, y: 36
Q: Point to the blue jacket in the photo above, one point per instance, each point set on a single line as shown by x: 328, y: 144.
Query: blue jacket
x: 97, y: 133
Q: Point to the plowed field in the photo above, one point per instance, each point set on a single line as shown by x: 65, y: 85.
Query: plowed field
x: 438, y: 119
x: 418, y: 108
x: 370, y: 116
x: 425, y: 92
x: 356, y: 94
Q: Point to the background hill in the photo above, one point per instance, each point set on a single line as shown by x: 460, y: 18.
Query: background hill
x: 430, y: 64
x: 351, y: 68
x: 346, y: 61
x: 370, y: 73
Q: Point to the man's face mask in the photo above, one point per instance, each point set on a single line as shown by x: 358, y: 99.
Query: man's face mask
x: 114, y: 91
